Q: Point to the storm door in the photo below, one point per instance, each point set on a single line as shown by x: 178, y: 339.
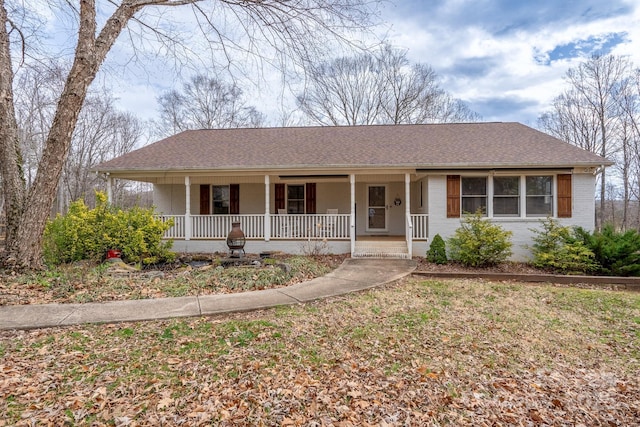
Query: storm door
x: 377, y: 208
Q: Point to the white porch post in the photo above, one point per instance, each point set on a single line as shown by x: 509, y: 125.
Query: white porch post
x: 352, y: 221
x: 187, y: 210
x: 407, y: 210
x: 267, y: 209
x: 109, y: 189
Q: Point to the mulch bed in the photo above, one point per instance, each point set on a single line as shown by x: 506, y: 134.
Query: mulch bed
x: 522, y: 272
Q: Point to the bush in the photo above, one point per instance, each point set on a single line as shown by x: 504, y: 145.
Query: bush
x: 558, y: 248
x: 85, y: 233
x: 437, y: 253
x: 617, y: 253
x: 479, y: 243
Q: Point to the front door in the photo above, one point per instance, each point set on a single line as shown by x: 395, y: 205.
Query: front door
x: 377, y: 208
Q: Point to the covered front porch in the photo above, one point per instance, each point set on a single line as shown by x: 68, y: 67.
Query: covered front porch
x: 205, y: 233
x: 367, y: 215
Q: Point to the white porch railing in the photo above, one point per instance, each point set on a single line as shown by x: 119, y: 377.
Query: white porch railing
x: 325, y: 226
x: 218, y: 226
x: 420, y: 226
x: 177, y: 231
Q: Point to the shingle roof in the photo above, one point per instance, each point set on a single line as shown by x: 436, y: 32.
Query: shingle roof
x: 463, y: 145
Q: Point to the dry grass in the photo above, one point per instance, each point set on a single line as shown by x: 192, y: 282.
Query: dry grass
x: 85, y: 282
x: 413, y: 353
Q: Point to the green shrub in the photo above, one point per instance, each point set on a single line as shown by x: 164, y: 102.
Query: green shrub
x: 479, y: 243
x: 437, y: 253
x: 558, y: 248
x: 617, y: 253
x: 85, y: 233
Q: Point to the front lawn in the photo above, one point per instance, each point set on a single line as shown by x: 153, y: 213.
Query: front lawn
x: 458, y: 352
x: 83, y: 282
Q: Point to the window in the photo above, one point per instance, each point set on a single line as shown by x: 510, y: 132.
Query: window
x: 539, y: 195
x: 506, y: 196
x: 295, y: 199
x: 474, y: 194
x: 511, y: 196
x: 221, y: 199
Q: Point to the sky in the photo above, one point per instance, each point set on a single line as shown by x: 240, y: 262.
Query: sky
x: 505, y: 58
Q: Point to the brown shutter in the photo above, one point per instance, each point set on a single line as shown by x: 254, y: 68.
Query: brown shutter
x: 310, y: 198
x: 280, y: 196
x: 564, y: 196
x: 453, y: 196
x: 205, y: 200
x: 234, y: 199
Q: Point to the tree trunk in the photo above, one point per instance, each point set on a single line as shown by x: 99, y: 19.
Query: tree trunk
x: 277, y: 22
x: 13, y: 184
x: 27, y: 216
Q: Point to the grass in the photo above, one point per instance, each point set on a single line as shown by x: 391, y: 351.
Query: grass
x: 82, y: 282
x: 432, y: 352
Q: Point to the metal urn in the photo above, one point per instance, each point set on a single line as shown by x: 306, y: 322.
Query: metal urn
x: 236, y: 240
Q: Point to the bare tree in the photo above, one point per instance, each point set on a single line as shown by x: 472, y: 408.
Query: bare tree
x: 38, y: 87
x: 206, y: 103
x: 293, y: 29
x: 102, y: 133
x: 628, y: 97
x: 588, y: 113
x: 380, y: 88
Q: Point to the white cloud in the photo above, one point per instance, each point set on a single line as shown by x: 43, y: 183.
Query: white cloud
x: 487, y: 53
x: 489, y: 58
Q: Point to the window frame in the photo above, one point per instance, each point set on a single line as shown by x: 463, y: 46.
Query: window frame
x: 301, y: 201
x: 551, y: 195
x: 227, y: 200
x: 482, y: 197
x: 455, y: 196
x: 516, y: 196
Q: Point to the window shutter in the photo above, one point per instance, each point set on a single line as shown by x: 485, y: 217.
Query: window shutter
x: 564, y: 196
x: 234, y: 199
x: 205, y: 200
x: 453, y: 196
x: 310, y: 197
x: 280, y: 196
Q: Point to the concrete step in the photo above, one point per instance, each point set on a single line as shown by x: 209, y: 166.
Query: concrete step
x: 381, y: 249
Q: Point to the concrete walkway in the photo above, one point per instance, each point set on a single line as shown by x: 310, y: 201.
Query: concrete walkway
x: 353, y: 275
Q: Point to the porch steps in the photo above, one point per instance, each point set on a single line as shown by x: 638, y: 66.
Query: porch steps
x: 381, y: 249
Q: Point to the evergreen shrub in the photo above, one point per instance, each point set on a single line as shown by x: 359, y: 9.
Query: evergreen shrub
x: 559, y: 248
x: 479, y: 243
x: 437, y: 253
x: 87, y: 234
x: 616, y: 253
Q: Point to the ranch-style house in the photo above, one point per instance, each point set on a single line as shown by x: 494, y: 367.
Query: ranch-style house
x: 370, y: 191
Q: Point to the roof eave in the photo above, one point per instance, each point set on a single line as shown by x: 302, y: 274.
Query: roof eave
x: 351, y: 167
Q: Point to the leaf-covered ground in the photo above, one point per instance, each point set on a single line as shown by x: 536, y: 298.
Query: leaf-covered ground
x: 83, y: 282
x: 412, y: 353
